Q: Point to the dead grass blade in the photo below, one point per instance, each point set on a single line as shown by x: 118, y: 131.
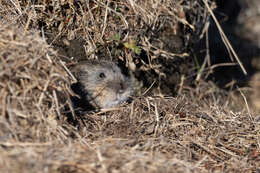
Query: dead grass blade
x: 224, y: 38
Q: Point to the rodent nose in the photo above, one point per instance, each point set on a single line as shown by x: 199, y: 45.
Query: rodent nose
x: 121, y: 87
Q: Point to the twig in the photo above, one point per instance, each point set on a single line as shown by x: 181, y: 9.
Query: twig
x: 224, y: 37
x: 247, y: 107
x: 68, y: 71
x: 24, y: 144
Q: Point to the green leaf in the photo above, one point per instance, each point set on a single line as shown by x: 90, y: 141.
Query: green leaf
x: 132, y: 46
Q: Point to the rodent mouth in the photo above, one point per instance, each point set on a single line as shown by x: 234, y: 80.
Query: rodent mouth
x: 105, y: 100
x: 115, y: 102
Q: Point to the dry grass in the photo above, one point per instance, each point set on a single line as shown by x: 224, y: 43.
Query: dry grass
x: 30, y: 80
x: 203, y: 129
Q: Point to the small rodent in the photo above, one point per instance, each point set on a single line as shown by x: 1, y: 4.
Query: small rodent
x: 101, y: 83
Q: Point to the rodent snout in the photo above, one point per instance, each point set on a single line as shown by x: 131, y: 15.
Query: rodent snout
x: 118, y: 87
x: 122, y: 88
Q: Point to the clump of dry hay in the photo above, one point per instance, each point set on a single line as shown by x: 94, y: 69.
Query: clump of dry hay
x: 30, y: 78
x: 150, y: 38
x: 150, y: 135
x: 194, y: 132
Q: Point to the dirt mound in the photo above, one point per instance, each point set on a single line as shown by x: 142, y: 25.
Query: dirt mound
x: 203, y: 129
x: 150, y: 135
x: 152, y: 40
x: 29, y: 81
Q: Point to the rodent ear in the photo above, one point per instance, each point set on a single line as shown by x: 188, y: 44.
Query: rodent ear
x: 82, y: 74
x: 79, y: 73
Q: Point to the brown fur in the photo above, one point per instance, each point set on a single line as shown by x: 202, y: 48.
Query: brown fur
x: 102, y: 83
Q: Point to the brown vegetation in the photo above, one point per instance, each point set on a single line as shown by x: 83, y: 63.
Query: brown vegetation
x: 174, y: 124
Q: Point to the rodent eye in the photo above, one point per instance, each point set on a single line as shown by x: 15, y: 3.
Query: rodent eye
x: 102, y: 75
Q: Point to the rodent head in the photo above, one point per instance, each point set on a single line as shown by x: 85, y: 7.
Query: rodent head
x: 102, y: 83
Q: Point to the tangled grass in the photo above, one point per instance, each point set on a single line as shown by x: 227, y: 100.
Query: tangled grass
x: 202, y: 129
